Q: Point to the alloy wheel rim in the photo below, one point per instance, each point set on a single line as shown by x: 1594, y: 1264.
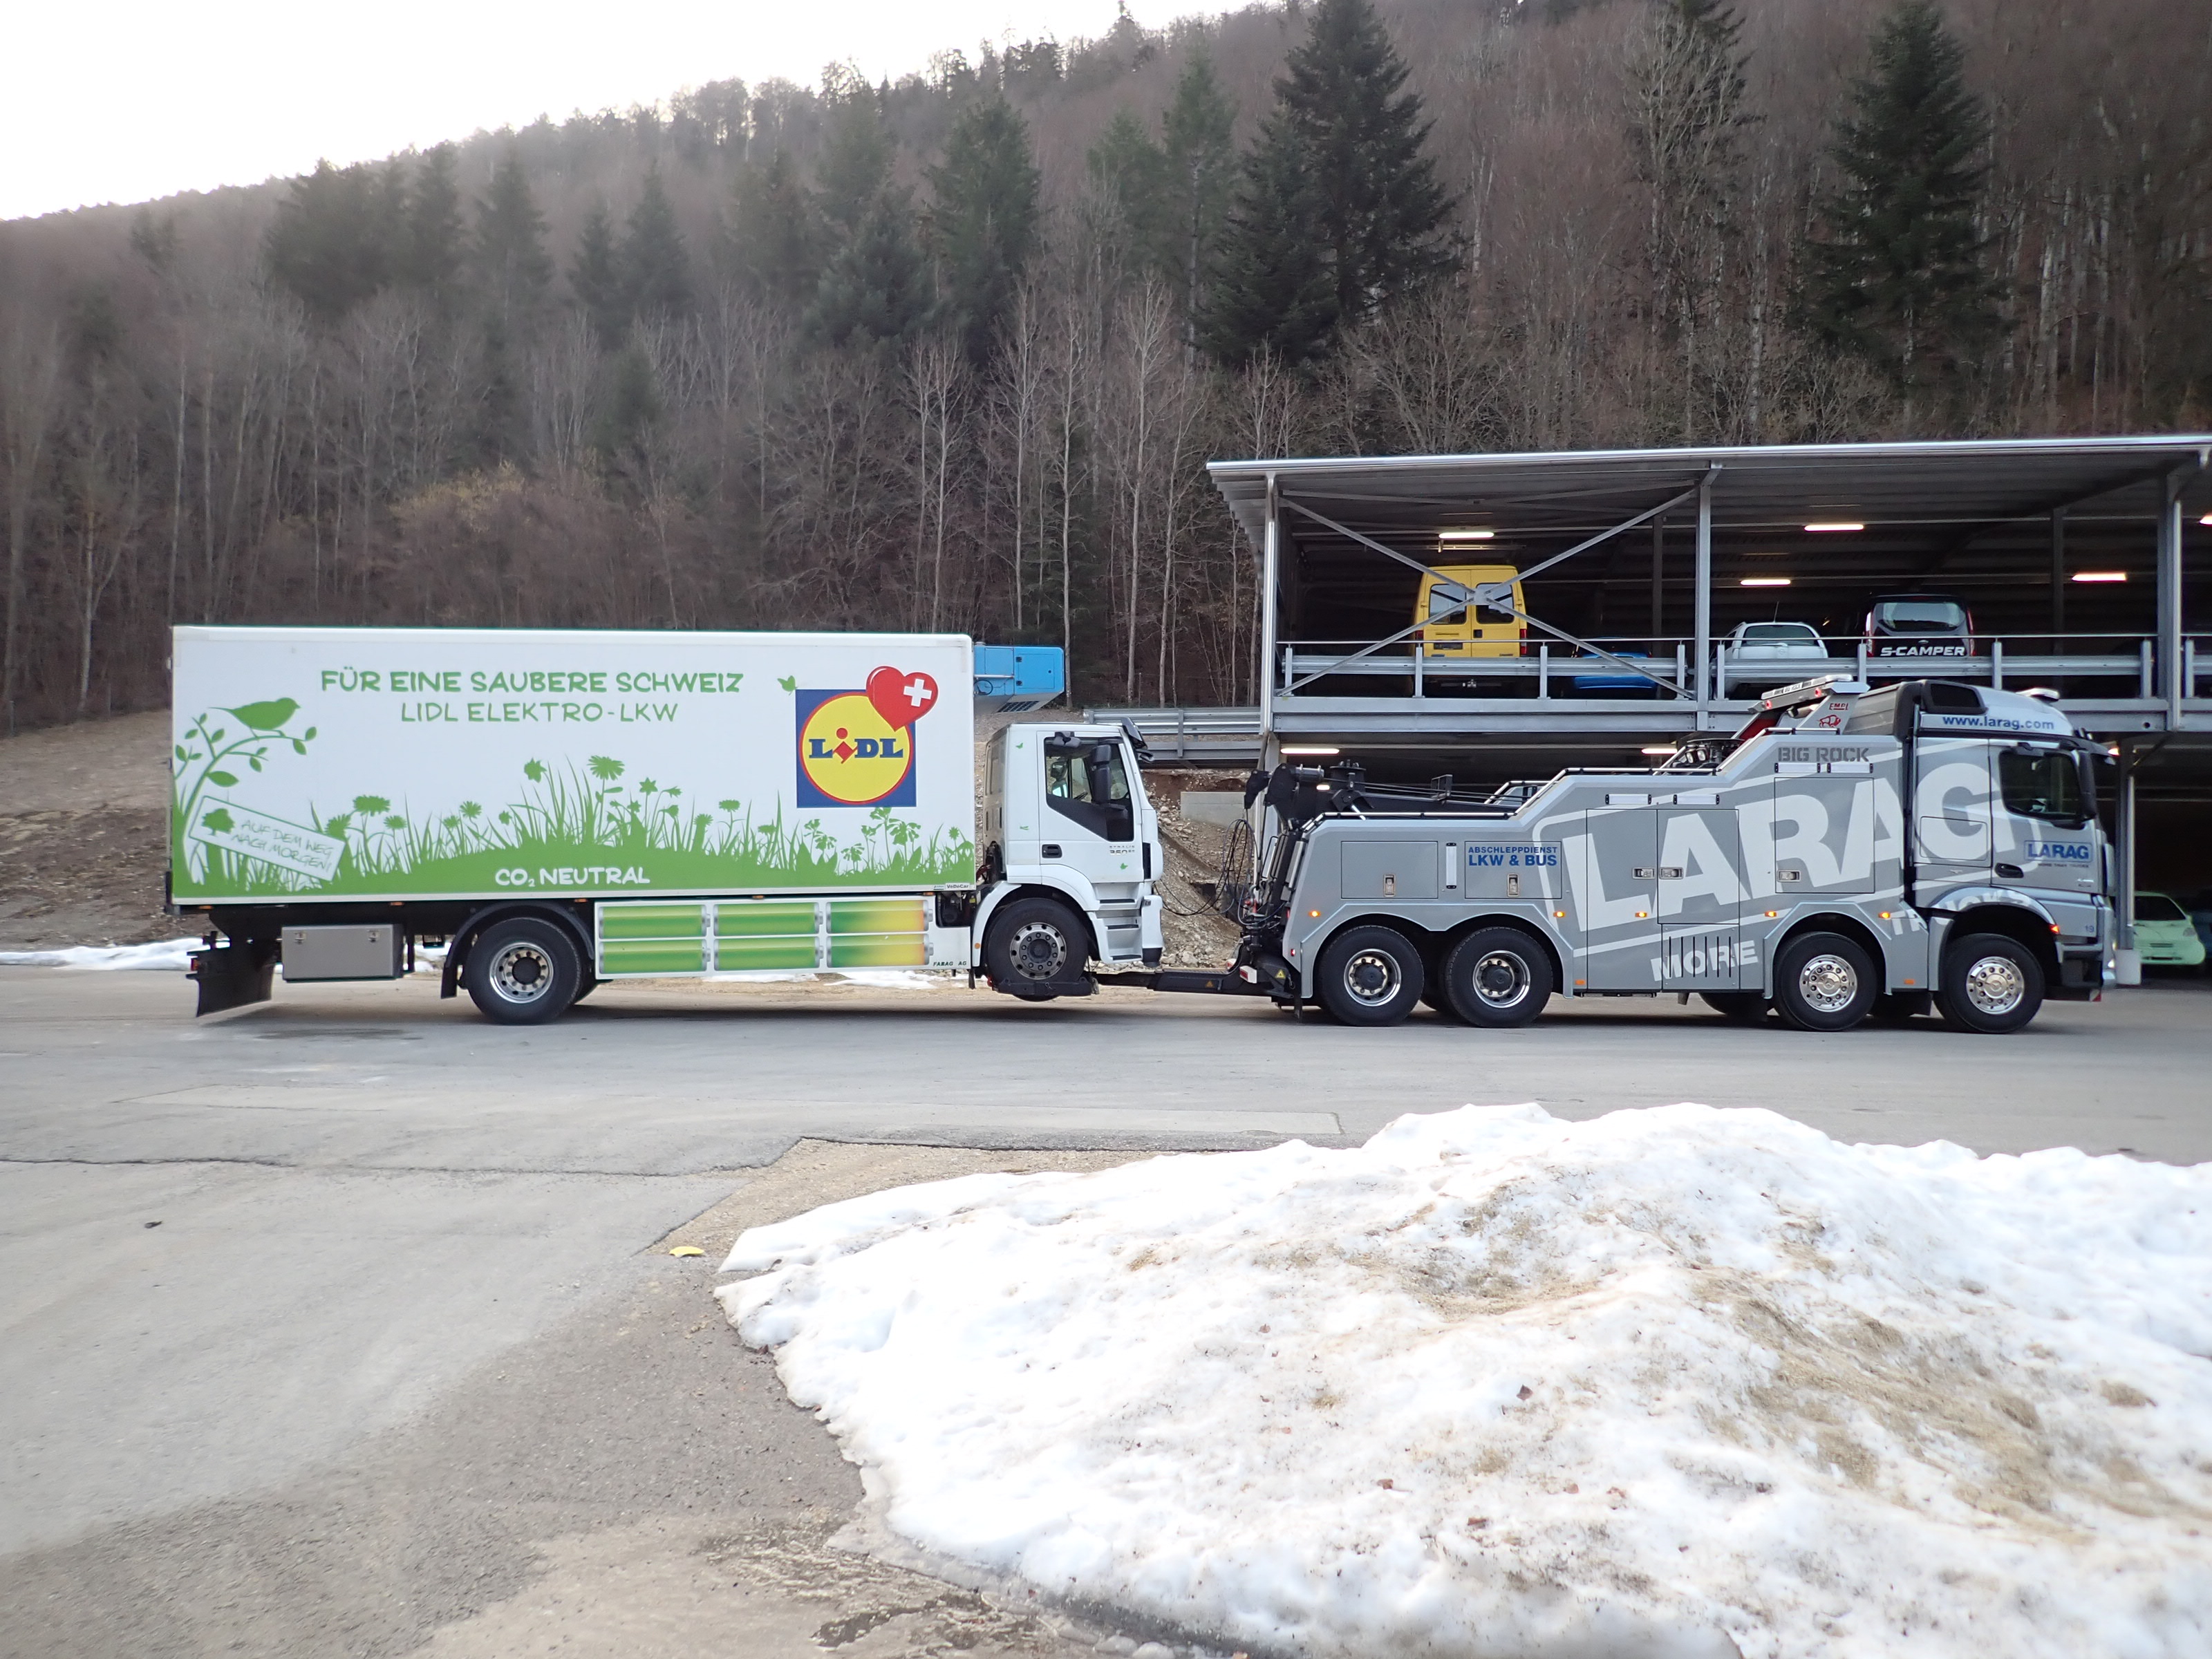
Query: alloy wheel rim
x: 1827, y: 983
x: 1995, y: 985
x: 522, y: 972
x: 1501, y: 979
x: 1371, y: 977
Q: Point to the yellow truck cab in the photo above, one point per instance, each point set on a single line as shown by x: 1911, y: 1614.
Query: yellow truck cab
x: 1454, y: 625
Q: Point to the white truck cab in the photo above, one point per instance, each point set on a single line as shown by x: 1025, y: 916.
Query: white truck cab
x: 1070, y: 846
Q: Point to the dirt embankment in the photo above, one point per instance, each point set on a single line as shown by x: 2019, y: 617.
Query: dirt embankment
x: 83, y: 828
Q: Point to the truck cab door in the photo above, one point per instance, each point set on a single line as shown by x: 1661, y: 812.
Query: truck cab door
x: 2044, y: 822
x: 1951, y: 832
x: 1093, y: 828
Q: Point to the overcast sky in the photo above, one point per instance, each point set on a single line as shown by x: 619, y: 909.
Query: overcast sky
x: 121, y: 101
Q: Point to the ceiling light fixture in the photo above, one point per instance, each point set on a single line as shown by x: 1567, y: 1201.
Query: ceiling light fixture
x: 1764, y: 581
x: 1289, y: 749
x: 1467, y: 535
x: 2100, y: 575
x: 1831, y: 527
x: 2207, y: 518
x: 1658, y: 748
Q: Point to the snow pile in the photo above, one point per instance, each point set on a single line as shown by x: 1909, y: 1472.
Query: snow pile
x: 171, y: 955
x: 1672, y: 1381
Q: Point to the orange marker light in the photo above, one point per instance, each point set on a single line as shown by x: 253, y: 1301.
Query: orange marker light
x: 1771, y: 914
x: 1559, y: 914
x: 1313, y: 913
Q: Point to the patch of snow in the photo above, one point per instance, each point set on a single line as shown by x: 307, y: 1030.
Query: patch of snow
x: 1672, y: 1381
x: 171, y: 955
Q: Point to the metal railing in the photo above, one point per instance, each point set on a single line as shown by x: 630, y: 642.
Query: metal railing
x: 2121, y: 665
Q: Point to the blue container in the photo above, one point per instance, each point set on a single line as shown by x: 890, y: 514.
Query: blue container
x: 1013, y: 679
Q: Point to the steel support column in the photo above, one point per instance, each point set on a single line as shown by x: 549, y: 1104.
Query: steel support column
x: 2170, y: 674
x: 1270, y: 577
x: 2057, y: 579
x: 1704, y: 628
x: 2128, y: 965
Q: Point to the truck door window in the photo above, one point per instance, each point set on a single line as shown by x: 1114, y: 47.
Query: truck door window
x: 1088, y: 783
x: 1448, y: 602
x: 2043, y: 783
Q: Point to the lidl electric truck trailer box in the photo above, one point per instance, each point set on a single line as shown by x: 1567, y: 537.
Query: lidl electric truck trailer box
x: 396, y: 764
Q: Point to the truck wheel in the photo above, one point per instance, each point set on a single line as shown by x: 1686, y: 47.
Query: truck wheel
x: 1744, y: 1008
x: 1989, y: 983
x: 1498, y: 977
x: 525, y: 971
x: 1371, y: 977
x: 1824, y: 983
x: 1034, y: 946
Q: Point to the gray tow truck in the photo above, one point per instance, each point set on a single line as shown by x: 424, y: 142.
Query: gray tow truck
x: 1850, y: 853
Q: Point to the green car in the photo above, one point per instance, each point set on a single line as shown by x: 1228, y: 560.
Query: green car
x: 2165, y: 936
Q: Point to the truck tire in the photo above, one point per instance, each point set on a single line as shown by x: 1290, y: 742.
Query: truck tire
x: 1371, y: 977
x: 1824, y: 983
x: 1498, y: 977
x: 1989, y: 983
x: 1744, y: 1008
x: 1034, y: 947
x: 525, y: 971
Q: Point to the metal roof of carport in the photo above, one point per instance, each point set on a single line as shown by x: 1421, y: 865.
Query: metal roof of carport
x: 1982, y: 480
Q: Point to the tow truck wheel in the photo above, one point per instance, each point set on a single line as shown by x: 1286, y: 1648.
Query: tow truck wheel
x: 1371, y: 977
x: 1498, y: 977
x: 1824, y: 983
x: 525, y: 971
x: 1033, y: 947
x: 1989, y: 983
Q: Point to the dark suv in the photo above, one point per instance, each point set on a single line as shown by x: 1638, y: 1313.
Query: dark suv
x: 1919, y: 625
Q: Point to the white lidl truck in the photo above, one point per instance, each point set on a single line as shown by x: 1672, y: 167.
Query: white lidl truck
x: 563, y: 809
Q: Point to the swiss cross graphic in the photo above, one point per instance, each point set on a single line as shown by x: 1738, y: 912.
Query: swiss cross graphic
x: 901, y: 696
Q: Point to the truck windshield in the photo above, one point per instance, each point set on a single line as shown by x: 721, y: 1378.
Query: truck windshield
x: 2043, y: 783
x: 1771, y: 631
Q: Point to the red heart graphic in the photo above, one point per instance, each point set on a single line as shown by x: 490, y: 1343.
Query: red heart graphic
x: 901, y: 698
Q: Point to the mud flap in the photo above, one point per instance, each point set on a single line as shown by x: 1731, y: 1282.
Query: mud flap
x: 233, y: 976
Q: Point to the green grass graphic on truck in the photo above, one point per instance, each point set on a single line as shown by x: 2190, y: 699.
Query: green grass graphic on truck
x: 563, y: 824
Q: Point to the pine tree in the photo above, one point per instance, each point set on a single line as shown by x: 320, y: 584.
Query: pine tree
x: 855, y: 168
x: 876, y: 288
x: 599, y: 280
x: 1271, y: 289
x: 1131, y: 171
x: 431, y: 255
x: 1379, y: 209
x: 772, y: 243
x: 1900, y: 277
x: 332, y: 244
x: 1198, y: 151
x: 512, y: 265
x: 983, y: 224
x: 657, y: 266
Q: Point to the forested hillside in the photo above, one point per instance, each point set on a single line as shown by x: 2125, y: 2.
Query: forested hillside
x: 949, y: 352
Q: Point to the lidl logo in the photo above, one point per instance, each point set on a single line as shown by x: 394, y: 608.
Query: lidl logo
x: 856, y: 748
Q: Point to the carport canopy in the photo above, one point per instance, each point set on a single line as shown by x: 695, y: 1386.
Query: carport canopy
x: 1994, y: 519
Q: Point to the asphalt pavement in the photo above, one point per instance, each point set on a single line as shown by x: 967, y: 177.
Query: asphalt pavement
x: 345, y: 1324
